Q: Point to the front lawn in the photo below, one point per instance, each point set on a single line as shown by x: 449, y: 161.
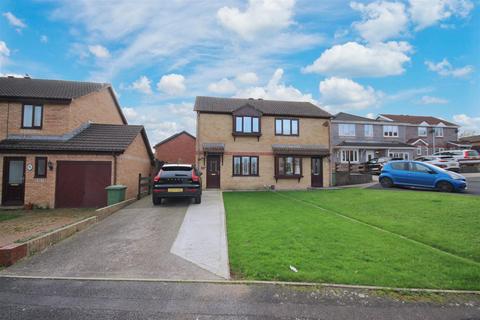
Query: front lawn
x: 269, y: 232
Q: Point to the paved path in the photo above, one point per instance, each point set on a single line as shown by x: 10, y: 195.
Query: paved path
x: 69, y: 299
x: 202, y: 237
x: 135, y: 242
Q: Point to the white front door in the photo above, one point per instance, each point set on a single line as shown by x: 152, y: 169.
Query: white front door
x: 369, y: 155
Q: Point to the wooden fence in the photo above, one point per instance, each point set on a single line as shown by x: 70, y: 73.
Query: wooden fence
x: 144, y: 186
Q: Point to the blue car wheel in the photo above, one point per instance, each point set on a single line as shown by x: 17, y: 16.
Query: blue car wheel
x: 445, y: 186
x: 386, y: 182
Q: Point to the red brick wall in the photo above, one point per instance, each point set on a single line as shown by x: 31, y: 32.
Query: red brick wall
x: 181, y: 149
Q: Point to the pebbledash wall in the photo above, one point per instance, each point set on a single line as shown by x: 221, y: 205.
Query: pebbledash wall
x: 41, y: 191
x: 218, y: 128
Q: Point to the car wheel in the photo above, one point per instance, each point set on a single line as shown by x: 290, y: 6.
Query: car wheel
x: 198, y: 200
x: 157, y: 201
x: 444, y: 186
x: 386, y: 182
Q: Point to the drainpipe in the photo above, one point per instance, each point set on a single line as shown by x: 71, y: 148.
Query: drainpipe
x: 114, y: 168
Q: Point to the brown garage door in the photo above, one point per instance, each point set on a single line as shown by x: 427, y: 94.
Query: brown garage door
x: 81, y: 184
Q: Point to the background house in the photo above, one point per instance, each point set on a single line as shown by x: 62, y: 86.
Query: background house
x: 358, y: 139
x: 473, y: 141
x: 178, y: 148
x: 63, y: 142
x: 255, y: 143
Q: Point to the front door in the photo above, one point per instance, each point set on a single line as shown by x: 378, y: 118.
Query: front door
x: 13, y: 181
x: 213, y: 172
x: 369, y: 155
x: 317, y: 172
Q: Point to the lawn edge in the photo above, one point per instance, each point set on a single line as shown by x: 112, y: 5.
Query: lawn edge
x: 250, y: 282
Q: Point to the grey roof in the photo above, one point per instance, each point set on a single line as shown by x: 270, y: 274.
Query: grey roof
x: 379, y: 144
x: 213, y: 147
x: 300, y: 149
x: 343, y: 116
x: 16, y: 88
x: 417, y: 119
x: 267, y: 107
x: 470, y: 139
x: 94, y: 138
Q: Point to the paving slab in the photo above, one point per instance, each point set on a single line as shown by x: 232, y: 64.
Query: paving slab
x: 135, y: 242
x: 202, y: 238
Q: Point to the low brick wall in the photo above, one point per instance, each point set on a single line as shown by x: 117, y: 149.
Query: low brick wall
x: 12, y: 253
x: 344, y: 178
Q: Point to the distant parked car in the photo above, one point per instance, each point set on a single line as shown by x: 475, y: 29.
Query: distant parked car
x: 463, y: 156
x: 375, y: 165
x: 177, y: 181
x: 444, y: 162
x: 420, y: 175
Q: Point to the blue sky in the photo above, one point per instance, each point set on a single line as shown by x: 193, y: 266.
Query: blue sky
x: 365, y: 57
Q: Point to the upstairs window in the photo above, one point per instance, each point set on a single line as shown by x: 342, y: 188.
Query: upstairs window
x: 422, y: 131
x: 439, y: 132
x: 286, y: 127
x: 390, y: 131
x: 368, y: 130
x: 32, y: 116
x: 247, y: 124
x: 346, y: 130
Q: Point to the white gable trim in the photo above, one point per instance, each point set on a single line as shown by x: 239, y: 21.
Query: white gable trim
x: 441, y: 124
x: 424, y: 123
x: 420, y: 140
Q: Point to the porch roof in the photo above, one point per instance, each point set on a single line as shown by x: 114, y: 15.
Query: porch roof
x: 213, y: 147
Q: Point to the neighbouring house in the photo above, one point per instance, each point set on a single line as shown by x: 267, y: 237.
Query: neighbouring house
x: 358, y: 139
x: 63, y: 142
x: 257, y: 144
x: 473, y: 141
x: 178, y: 148
x: 427, y: 134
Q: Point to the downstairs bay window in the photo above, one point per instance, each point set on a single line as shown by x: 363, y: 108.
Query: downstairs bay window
x: 347, y: 156
x: 288, y: 167
x: 245, y: 166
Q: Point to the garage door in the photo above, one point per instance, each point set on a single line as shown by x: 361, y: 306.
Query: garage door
x: 81, y: 184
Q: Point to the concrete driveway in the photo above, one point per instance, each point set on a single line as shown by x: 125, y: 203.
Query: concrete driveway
x: 135, y: 242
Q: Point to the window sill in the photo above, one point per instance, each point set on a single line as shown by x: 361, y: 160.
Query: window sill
x: 242, y: 176
x: 242, y: 134
x: 283, y: 177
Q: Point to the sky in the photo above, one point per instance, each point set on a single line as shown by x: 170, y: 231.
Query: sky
x: 419, y: 57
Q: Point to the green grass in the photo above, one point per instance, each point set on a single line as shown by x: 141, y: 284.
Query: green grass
x: 8, y: 216
x: 268, y: 232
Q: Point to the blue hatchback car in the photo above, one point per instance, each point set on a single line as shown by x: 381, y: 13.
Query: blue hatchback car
x: 420, y: 175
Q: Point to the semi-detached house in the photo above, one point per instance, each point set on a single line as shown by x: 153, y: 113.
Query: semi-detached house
x: 256, y: 143
x: 63, y: 142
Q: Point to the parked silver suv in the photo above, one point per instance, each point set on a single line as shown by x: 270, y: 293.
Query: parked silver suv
x: 466, y: 156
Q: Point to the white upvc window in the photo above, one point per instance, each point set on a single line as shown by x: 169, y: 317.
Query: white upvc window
x: 368, y: 130
x: 419, y: 151
x: 349, y: 155
x: 390, y: 131
x: 403, y: 155
x: 346, y: 130
x: 422, y: 131
x: 439, y: 132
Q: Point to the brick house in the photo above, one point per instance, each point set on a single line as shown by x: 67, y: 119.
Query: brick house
x: 426, y: 133
x: 178, y: 148
x: 256, y: 143
x: 472, y: 141
x: 63, y: 142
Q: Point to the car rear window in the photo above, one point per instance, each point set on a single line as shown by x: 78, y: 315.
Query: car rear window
x: 400, y: 165
x: 472, y: 153
x: 177, y: 168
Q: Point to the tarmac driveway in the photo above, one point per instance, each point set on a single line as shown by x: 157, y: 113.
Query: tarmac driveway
x: 135, y: 242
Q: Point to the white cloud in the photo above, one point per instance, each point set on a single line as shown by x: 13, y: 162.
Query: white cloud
x: 425, y: 13
x: 444, y: 68
x: 432, y: 100
x: 275, y: 90
x: 370, y: 115
x: 142, y: 84
x: 339, y: 94
x: 172, y: 84
x: 43, y: 38
x: 222, y: 87
x: 381, y: 20
x: 130, y: 113
x: 248, y: 78
x: 14, y: 21
x: 99, y: 51
x: 356, y: 60
x: 468, y: 123
x: 260, y: 16
x: 4, y: 51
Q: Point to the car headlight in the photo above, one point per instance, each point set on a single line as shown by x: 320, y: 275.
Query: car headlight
x: 456, y: 176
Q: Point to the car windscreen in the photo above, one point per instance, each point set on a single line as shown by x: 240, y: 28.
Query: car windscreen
x: 177, y: 168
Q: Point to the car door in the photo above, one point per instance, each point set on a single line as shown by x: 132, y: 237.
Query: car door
x: 422, y: 175
x: 400, y: 172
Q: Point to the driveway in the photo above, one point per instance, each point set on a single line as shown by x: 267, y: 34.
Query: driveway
x: 135, y: 242
x: 473, y: 181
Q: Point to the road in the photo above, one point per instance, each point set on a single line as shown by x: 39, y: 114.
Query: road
x: 75, y: 299
x: 473, y: 183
